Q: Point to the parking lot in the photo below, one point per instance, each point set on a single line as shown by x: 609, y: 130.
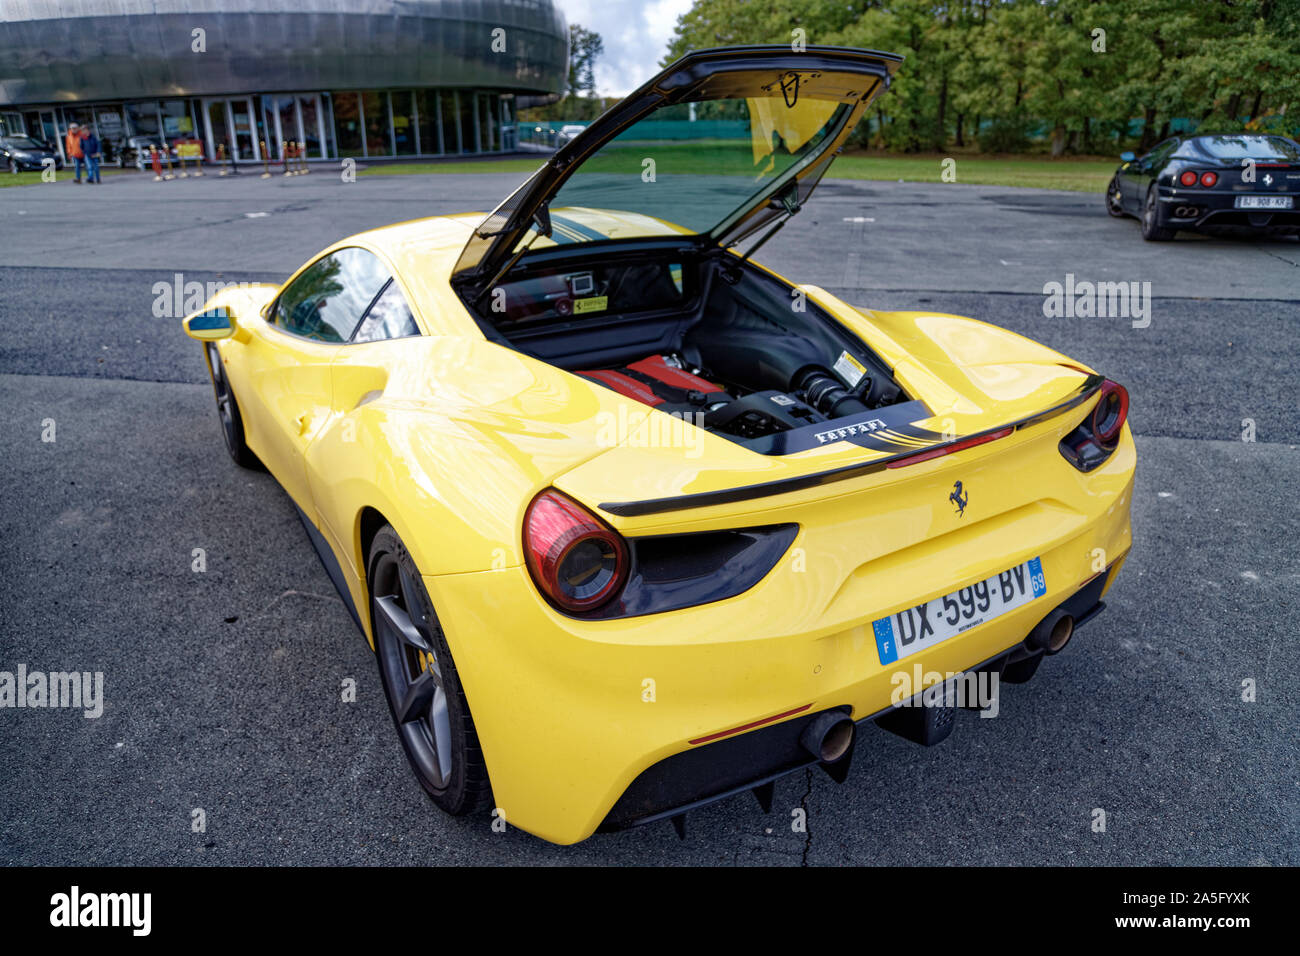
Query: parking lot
x: 221, y: 688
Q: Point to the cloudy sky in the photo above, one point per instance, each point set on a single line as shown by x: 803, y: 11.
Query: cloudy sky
x: 636, y: 36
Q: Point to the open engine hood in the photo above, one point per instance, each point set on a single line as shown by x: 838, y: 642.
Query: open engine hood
x: 799, y: 107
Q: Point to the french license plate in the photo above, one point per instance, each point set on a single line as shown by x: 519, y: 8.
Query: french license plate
x: 1264, y: 202
x: 919, y: 628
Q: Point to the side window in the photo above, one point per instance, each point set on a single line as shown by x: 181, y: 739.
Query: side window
x: 327, y: 301
x: 1159, y: 153
x: 389, y: 318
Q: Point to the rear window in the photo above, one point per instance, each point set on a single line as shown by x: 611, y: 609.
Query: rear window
x: 1241, y: 147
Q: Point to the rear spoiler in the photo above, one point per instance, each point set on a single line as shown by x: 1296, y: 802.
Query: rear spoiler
x: 633, y: 509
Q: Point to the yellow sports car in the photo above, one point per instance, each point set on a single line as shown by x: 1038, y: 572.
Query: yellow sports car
x: 634, y: 523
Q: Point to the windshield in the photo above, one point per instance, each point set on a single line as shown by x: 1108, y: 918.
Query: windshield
x: 690, y: 167
x: 22, y: 142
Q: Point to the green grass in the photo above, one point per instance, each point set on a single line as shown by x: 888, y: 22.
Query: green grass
x: 33, y: 177
x: 1079, y: 174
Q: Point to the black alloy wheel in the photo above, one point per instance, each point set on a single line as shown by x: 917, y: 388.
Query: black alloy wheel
x: 232, y: 423
x: 421, y: 682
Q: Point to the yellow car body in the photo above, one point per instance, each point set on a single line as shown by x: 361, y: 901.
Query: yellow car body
x: 448, y: 436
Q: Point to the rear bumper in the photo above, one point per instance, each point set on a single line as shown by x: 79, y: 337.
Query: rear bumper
x: 705, y: 774
x: 571, y: 713
x: 1209, y: 209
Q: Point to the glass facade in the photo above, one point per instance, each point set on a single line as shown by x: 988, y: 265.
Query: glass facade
x: 401, y: 108
x: 374, y: 110
x: 347, y: 123
x: 371, y: 124
x: 426, y: 106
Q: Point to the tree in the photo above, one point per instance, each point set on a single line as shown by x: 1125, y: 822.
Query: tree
x: 579, y: 101
x: 1076, y: 73
x: 585, y: 47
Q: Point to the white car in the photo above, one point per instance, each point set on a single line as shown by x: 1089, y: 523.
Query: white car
x: 567, y: 133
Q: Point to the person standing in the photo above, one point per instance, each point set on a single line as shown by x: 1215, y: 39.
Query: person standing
x: 90, y: 150
x: 72, y: 146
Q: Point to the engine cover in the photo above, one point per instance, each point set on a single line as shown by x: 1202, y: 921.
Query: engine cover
x: 654, y: 381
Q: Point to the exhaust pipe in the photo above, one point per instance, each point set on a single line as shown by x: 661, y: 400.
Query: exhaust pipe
x: 1052, y: 633
x: 829, y: 738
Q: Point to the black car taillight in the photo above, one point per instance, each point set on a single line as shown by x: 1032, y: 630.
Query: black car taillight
x: 1209, y: 179
x: 1097, y: 436
x: 577, y: 561
x: 586, y: 569
x: 1188, y: 178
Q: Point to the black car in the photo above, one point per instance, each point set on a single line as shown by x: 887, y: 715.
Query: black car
x: 1210, y: 183
x: 23, y: 152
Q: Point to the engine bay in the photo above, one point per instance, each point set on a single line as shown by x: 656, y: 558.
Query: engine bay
x: 706, y: 337
x: 668, y: 383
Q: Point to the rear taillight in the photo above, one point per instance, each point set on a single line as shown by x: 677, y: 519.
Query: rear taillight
x: 1110, y: 413
x: 1097, y: 436
x: 1209, y: 179
x: 577, y: 561
x: 1188, y: 178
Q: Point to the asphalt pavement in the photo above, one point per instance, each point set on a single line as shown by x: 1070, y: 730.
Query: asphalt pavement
x: 222, y: 687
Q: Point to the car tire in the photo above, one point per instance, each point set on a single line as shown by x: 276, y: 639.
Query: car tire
x: 420, y: 680
x: 232, y: 422
x: 1114, y: 200
x: 1151, y: 230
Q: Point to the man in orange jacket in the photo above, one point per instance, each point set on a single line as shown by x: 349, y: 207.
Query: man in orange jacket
x: 72, y: 146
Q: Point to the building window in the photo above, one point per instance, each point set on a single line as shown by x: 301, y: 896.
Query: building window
x: 488, y: 122
x: 112, y: 132
x: 374, y: 112
x: 327, y: 124
x: 311, y: 116
x: 426, y: 103
x: 449, y: 122
x: 143, y: 118
x: 465, y: 121
x: 347, y: 123
x: 176, y: 119
x: 508, y: 130
x: 290, y: 132
x: 403, y: 123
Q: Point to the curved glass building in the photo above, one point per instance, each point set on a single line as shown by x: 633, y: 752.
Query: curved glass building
x: 362, y: 78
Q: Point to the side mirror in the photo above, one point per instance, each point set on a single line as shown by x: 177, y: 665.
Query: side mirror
x: 1127, y: 157
x: 210, y: 325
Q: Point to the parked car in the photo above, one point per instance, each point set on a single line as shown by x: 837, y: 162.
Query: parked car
x: 1240, y: 181
x: 24, y: 152
x: 634, y: 523
x: 136, y: 152
x: 568, y: 133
